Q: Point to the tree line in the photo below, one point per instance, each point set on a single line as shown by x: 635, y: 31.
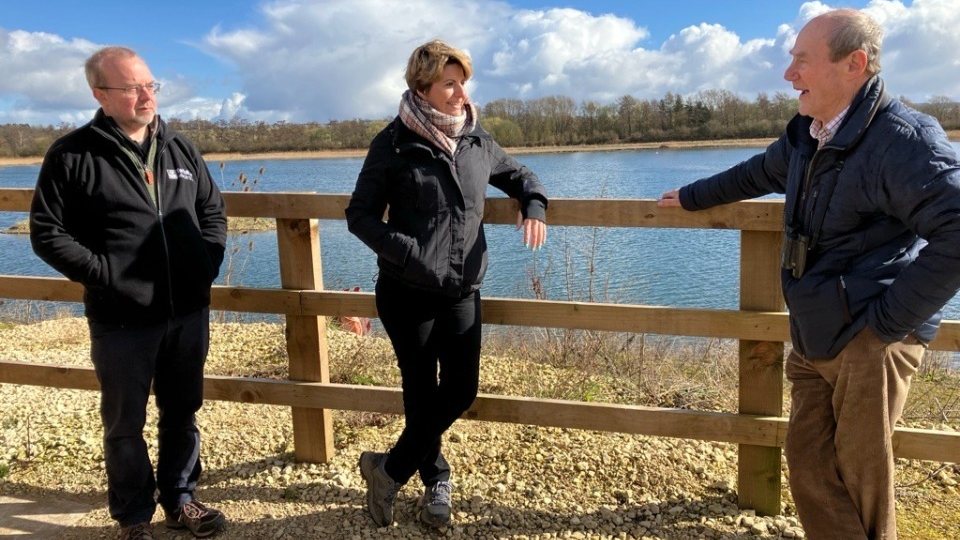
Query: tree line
x: 545, y: 121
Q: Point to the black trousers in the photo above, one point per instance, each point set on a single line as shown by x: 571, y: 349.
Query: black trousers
x: 437, y: 343
x: 127, y: 359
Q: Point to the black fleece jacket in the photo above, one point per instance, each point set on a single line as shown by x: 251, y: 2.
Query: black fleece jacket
x: 433, y: 238
x: 94, y: 220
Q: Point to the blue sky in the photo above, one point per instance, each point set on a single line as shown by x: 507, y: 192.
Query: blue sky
x: 321, y: 60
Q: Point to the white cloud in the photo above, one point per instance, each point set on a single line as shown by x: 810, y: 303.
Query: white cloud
x: 43, y: 73
x: 324, y: 60
x: 708, y: 56
x: 320, y: 60
x: 919, y: 57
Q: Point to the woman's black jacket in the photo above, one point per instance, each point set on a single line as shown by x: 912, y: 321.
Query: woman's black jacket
x: 432, y: 238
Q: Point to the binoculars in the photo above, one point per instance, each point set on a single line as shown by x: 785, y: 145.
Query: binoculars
x: 793, y: 257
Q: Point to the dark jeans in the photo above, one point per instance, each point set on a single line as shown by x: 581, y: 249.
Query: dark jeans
x: 127, y: 358
x: 430, y: 331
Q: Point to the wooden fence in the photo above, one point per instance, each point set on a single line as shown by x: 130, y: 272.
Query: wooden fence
x: 760, y: 325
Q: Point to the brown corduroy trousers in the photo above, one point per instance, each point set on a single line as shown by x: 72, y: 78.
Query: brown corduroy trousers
x: 839, y: 444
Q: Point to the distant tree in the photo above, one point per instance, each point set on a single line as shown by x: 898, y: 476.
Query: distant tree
x: 943, y: 109
x: 708, y: 114
x: 505, y: 131
x: 784, y: 107
x: 697, y: 114
x: 512, y: 109
x: 589, y: 112
x: 664, y: 112
x: 627, y: 114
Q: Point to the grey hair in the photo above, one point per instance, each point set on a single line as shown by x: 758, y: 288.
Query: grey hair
x: 855, y: 31
x: 93, y: 67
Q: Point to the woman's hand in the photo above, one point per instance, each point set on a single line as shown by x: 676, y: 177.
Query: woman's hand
x: 534, y: 231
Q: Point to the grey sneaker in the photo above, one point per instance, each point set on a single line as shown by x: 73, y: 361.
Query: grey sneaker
x: 434, y: 506
x: 140, y: 531
x: 381, y: 489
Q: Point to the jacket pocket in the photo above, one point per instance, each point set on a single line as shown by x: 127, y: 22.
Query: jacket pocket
x: 820, y: 318
x: 420, y: 268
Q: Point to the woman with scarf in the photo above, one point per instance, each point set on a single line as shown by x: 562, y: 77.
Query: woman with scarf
x: 429, y: 170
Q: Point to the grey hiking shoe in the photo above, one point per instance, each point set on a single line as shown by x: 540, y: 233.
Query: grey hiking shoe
x: 381, y: 489
x: 434, y: 505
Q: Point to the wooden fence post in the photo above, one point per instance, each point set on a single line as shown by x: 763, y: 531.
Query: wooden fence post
x: 761, y: 370
x: 298, y: 247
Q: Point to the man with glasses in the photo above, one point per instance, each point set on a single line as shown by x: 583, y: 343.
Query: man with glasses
x: 126, y: 207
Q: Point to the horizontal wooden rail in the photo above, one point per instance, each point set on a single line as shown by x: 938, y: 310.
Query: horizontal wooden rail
x: 757, y: 215
x: 15, y: 199
x: 678, y: 423
x: 715, y: 323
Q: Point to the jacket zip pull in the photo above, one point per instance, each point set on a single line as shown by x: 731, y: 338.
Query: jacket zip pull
x: 813, y: 204
x: 847, y: 316
x: 158, y: 190
x: 148, y: 176
x: 808, y: 177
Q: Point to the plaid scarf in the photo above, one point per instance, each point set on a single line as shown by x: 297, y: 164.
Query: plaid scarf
x: 443, y: 130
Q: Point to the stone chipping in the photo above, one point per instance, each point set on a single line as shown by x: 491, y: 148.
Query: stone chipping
x: 511, y: 481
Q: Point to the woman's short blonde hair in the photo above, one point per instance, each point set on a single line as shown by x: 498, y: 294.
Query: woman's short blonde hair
x: 427, y: 61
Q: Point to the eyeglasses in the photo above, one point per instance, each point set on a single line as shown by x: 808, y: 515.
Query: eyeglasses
x: 135, y: 89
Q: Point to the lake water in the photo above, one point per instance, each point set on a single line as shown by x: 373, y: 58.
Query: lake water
x: 669, y: 267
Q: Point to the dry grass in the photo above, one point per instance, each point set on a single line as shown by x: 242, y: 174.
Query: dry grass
x: 663, y: 371
x: 20, y: 227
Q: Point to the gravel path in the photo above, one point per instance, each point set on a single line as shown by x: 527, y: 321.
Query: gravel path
x: 516, y: 482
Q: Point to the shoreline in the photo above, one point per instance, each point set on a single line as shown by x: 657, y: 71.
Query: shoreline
x: 215, y: 157
x: 519, y: 150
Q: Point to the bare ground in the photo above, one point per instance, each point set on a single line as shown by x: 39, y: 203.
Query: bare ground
x: 513, y: 481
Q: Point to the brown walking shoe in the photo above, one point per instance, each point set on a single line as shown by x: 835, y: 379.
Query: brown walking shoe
x: 140, y: 531
x: 197, y: 518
